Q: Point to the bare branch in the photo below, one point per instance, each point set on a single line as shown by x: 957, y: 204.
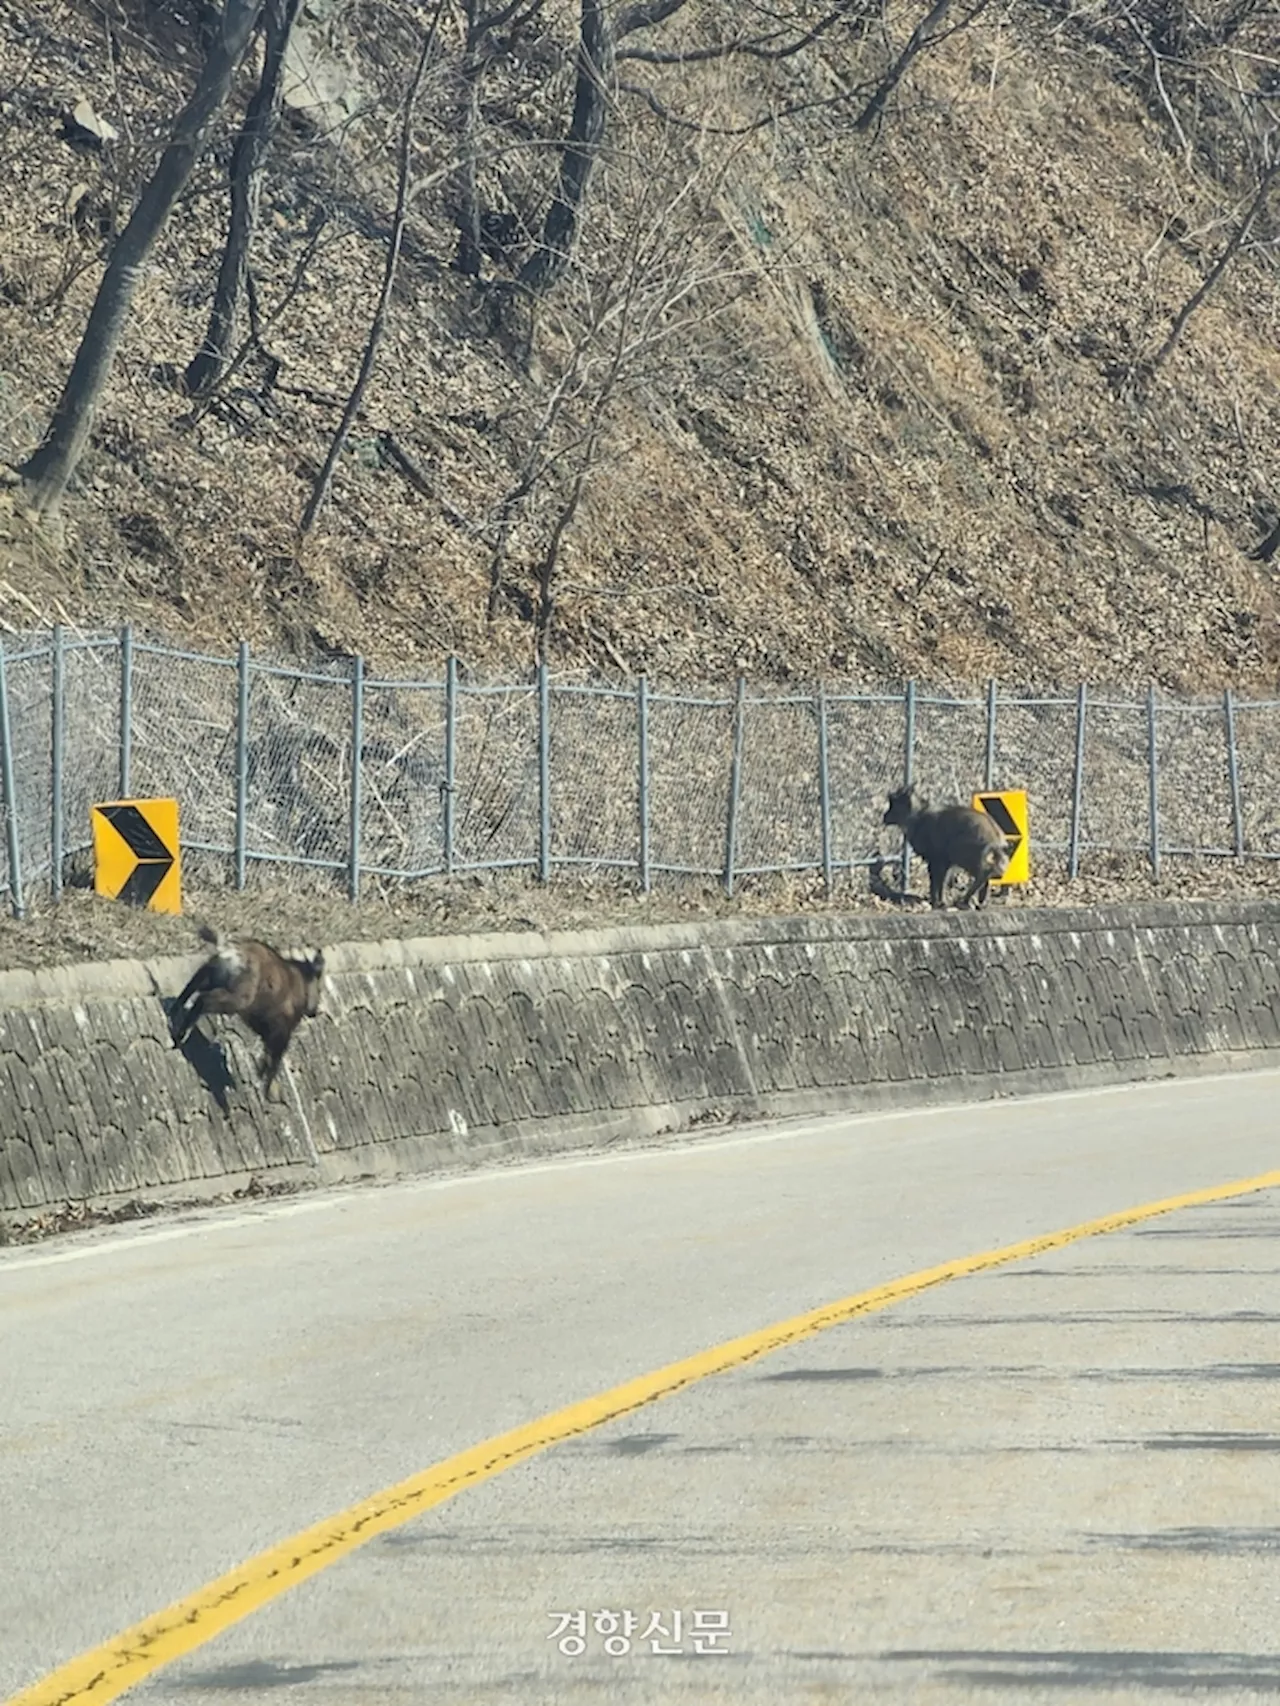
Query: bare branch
x: 586, y: 132
x: 644, y: 16
x: 515, y: 12
x: 1156, y: 57
x: 1222, y: 263
x: 321, y: 489
x: 921, y: 40
x: 47, y: 471
x: 248, y: 161
x: 743, y: 47
x: 260, y: 328
x: 660, y: 110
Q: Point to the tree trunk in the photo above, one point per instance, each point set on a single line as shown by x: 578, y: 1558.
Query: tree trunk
x: 48, y: 470
x: 1224, y: 260
x: 550, y: 259
x: 469, y: 255
x: 934, y: 18
x: 320, y: 490
x: 248, y: 159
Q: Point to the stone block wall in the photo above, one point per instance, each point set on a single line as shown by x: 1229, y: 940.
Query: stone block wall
x: 451, y: 1051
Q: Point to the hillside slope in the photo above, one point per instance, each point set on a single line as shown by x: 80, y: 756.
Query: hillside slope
x: 897, y: 424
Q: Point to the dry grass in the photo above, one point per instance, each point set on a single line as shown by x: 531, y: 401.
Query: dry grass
x: 903, y: 452
x: 84, y: 927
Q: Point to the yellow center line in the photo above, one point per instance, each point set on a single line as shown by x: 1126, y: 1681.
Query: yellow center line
x: 121, y: 1663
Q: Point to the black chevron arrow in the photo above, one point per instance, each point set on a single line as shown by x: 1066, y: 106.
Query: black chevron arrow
x: 1000, y: 814
x: 144, y: 880
x: 155, y: 860
x: 1004, y: 821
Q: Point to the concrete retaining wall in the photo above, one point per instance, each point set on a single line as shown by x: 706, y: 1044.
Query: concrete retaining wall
x: 431, y: 1053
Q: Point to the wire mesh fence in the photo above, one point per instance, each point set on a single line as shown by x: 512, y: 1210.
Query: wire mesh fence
x: 403, y: 779
x: 29, y: 713
x: 779, y: 816
x: 866, y: 747
x: 326, y: 769
x: 593, y: 768
x: 1034, y: 739
x: 1258, y: 766
x: 298, y: 746
x: 85, y: 707
x: 181, y: 714
x: 497, y: 806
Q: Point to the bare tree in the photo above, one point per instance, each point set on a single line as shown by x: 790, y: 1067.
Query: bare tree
x: 480, y: 26
x: 48, y: 470
x: 661, y: 271
x: 592, y: 91
x: 248, y: 161
x: 597, y: 50
x: 931, y: 30
x: 758, y: 31
x: 403, y: 188
x: 1228, y: 133
x: 1239, y: 237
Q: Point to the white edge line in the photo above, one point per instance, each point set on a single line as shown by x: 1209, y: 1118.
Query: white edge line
x: 104, y: 1244
x: 344, y: 1193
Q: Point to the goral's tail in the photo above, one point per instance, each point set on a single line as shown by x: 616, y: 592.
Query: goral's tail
x: 212, y: 937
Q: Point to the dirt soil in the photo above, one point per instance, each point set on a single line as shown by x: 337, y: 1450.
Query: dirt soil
x: 84, y: 927
x: 904, y: 430
x: 906, y: 426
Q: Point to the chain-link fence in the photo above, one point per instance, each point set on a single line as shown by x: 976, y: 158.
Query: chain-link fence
x: 405, y: 779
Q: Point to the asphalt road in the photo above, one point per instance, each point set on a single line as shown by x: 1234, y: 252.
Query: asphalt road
x: 1055, y: 1480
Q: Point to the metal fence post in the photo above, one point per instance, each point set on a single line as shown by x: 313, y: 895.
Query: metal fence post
x: 1153, y: 804
x: 1077, y: 785
x: 57, y: 755
x: 908, y: 769
x: 1233, y: 771
x: 450, y: 755
x: 824, y: 787
x: 242, y: 763
x: 735, y: 784
x: 989, y: 769
x: 642, y: 721
x: 10, y: 796
x: 126, y: 709
x: 357, y: 750
x: 544, y: 775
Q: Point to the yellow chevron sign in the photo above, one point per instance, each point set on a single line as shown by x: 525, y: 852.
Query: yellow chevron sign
x: 1008, y: 811
x: 136, y: 853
